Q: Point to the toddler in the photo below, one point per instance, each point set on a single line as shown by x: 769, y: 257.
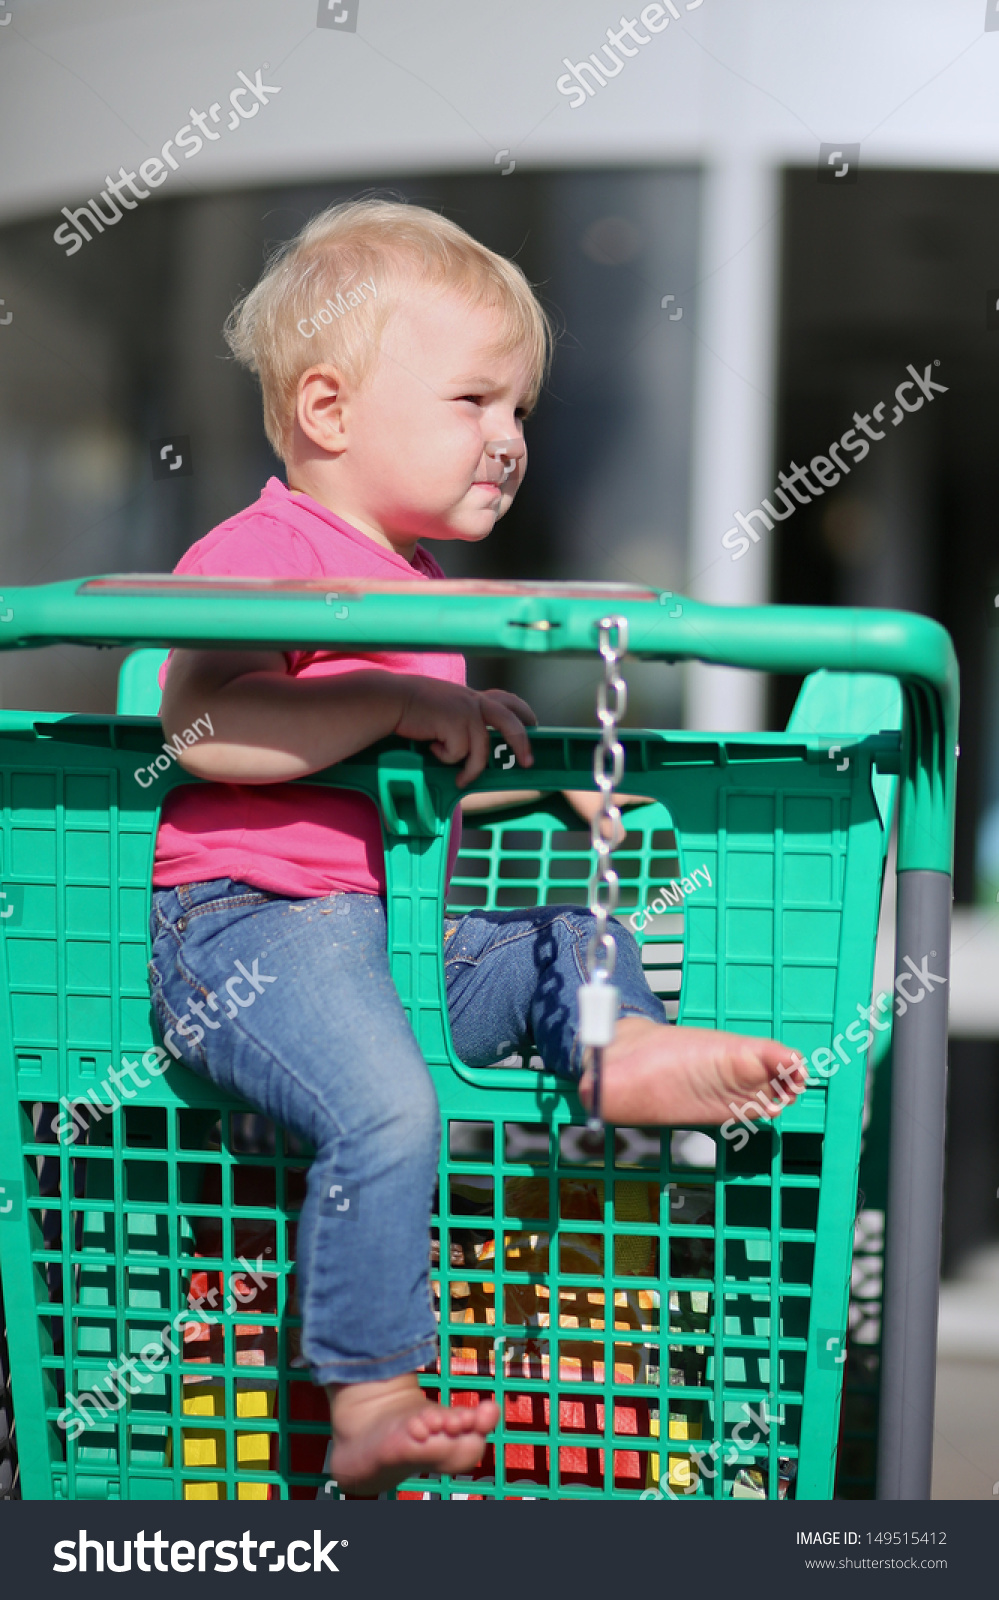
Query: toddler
x: 398, y: 361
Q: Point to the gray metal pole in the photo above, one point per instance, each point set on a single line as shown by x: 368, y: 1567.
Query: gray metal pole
x: 915, y: 1187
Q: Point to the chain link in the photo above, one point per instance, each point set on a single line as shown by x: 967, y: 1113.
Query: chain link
x: 608, y: 771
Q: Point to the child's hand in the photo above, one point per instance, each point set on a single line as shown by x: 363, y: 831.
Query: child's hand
x: 587, y: 802
x: 455, y: 722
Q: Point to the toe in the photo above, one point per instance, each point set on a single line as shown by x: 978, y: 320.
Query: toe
x: 419, y: 1426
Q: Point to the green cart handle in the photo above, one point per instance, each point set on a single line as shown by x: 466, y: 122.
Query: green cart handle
x: 538, y: 618
x: 196, y: 612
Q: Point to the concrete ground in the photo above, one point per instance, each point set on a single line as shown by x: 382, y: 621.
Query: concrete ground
x: 966, y: 1448
x: 966, y: 1445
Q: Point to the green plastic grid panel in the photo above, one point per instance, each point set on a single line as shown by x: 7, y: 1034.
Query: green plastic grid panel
x: 718, y: 1314
x: 545, y: 858
x: 153, y: 1197
x: 856, y: 1471
x: 863, y: 703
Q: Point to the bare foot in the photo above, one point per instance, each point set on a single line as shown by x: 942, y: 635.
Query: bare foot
x: 663, y: 1074
x: 385, y: 1432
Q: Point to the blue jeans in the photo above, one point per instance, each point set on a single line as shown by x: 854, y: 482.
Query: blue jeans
x: 289, y: 1003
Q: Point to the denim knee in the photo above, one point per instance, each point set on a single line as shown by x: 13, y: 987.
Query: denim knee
x: 384, y: 1134
x: 515, y: 976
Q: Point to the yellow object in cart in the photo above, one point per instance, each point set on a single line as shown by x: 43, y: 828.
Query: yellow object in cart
x: 206, y: 1447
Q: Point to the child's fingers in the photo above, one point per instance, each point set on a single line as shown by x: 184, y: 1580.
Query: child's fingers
x: 455, y: 742
x: 477, y: 746
x: 521, y: 707
x: 506, y: 721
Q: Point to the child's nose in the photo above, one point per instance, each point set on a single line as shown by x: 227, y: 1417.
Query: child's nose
x: 508, y: 452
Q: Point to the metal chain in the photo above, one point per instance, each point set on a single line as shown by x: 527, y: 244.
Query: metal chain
x: 608, y: 771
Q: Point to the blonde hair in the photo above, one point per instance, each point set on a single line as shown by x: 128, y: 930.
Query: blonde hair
x: 362, y: 242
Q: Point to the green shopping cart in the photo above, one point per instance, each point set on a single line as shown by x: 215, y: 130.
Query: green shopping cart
x: 657, y: 1312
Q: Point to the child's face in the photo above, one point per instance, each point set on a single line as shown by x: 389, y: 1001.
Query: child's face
x: 413, y: 462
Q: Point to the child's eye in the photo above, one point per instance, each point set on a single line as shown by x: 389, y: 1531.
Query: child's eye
x: 520, y: 415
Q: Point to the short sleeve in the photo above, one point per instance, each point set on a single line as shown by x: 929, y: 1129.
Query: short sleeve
x: 262, y: 548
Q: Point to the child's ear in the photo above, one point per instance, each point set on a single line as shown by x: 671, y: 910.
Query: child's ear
x: 319, y: 407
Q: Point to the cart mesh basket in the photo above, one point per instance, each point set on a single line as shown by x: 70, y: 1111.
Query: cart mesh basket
x: 656, y: 1311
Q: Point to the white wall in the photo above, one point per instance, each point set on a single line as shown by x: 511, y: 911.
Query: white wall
x: 88, y: 84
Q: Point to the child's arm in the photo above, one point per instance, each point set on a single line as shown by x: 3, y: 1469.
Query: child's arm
x: 267, y: 726
x: 586, y: 801
x: 495, y: 800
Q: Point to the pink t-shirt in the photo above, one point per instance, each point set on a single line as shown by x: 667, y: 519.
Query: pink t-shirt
x: 293, y: 839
